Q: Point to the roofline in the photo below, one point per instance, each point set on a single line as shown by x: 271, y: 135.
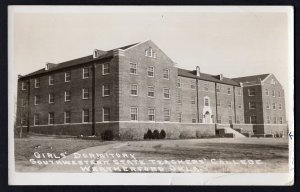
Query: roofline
x: 135, y: 45
x: 60, y: 69
x: 238, y: 85
x: 266, y: 78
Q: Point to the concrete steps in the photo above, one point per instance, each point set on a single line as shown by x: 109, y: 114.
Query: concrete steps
x: 229, y: 133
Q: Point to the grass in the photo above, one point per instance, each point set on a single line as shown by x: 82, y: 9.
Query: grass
x: 25, y: 148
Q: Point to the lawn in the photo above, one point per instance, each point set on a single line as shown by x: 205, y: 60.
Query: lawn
x: 25, y: 148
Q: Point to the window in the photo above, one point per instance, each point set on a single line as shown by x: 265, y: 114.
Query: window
x: 85, y: 73
x: 272, y: 81
x: 280, y: 106
x: 178, y: 98
x: 85, y: 93
x: 274, y: 120
x: 36, y: 100
x: 24, y: 86
x: 23, y: 120
x: 134, y: 89
x: 133, y: 68
x: 279, y: 94
x: 51, y: 97
x: 105, y: 69
x: 154, y: 55
x: 251, y: 92
x: 253, y: 119
x: 105, y: 90
x: 229, y: 91
x: 219, y: 119
x: 106, y: 114
x: 67, y: 76
x: 194, y: 118
x: 67, y: 95
x: 268, y: 105
x: 252, y: 105
x: 218, y: 103
x: 178, y: 83
x: 23, y: 102
x: 36, y: 119
x: 230, y: 119
x: 85, y: 116
x: 51, y: 80
x: 37, y: 83
x: 67, y: 117
x: 229, y: 104
x: 273, y: 93
x: 268, y: 120
x: 280, y: 120
x: 238, y: 92
x: 206, y: 86
x: 179, y: 117
x: 166, y: 73
x: 150, y: 91
x: 133, y: 114
x: 146, y: 52
x: 206, y: 101
x: 150, y: 53
x: 167, y: 114
x: 150, y: 71
x: 267, y: 92
x: 193, y: 84
x: 193, y: 99
x: 240, y: 105
x: 238, y: 120
x: 50, y: 118
x: 151, y: 114
x: 166, y: 93
x: 274, y: 106
x: 218, y: 88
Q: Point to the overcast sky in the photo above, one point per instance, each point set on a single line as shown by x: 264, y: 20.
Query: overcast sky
x: 233, y: 43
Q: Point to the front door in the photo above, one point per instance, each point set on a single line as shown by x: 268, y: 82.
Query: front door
x: 207, y: 117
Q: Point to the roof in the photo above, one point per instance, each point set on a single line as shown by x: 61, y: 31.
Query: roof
x: 78, y: 61
x: 207, y: 77
x: 251, y: 79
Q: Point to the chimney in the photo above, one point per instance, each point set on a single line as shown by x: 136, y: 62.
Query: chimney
x: 221, y: 77
x: 49, y: 66
x: 198, y: 71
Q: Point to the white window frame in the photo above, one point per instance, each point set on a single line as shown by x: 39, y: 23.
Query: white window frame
x: 51, y: 94
x: 255, y: 119
x: 207, y: 100
x: 168, y: 74
x: 179, y: 83
x: 169, y: 115
x: 154, y: 55
x: 229, y: 105
x: 84, y: 91
x: 151, y: 87
x: 273, y: 93
x: 65, y: 117
x: 85, y: 73
x: 23, y: 86
x: 228, y: 91
x: 148, y: 70
x: 179, y: 117
x: 36, y: 98
x: 267, y: 105
x: 166, y: 89
x: 37, y: 83
x: 152, y: 114
x: 179, y: 99
x: 51, y: 78
x: 279, y: 94
x: 267, y: 92
x: 274, y: 122
x: 251, y: 92
x: 34, y: 119
x: 280, y: 120
x: 134, y: 68
x: 105, y: 66
x: 105, y: 89
x: 104, y: 114
x: 250, y: 107
x: 274, y: 106
x: 193, y: 99
x: 273, y: 82
x: 268, y: 120
x: 137, y: 90
x: 280, y: 106
x: 66, y: 96
x: 137, y: 113
x: 68, y: 72
x: 84, y: 115
x: 49, y: 115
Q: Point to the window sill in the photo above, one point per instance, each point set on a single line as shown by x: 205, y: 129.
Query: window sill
x: 105, y: 95
x: 85, y: 98
x: 134, y: 95
x: 105, y: 74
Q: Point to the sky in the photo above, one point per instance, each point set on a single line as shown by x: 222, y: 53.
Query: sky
x: 237, y: 42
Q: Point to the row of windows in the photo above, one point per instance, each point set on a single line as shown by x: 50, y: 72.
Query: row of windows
x: 274, y: 120
x: 252, y: 105
x: 239, y: 119
x: 251, y: 92
x: 150, y: 71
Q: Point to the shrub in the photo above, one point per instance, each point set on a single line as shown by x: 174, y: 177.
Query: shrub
x: 155, y: 134
x: 162, y: 134
x: 148, y: 135
x: 107, y: 135
x: 187, y: 134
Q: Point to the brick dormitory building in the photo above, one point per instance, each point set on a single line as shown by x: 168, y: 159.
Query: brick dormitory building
x: 134, y: 88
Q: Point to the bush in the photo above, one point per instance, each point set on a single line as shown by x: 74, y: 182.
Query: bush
x: 162, y: 134
x: 148, y: 135
x: 187, y: 134
x: 107, y: 135
x: 155, y: 134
